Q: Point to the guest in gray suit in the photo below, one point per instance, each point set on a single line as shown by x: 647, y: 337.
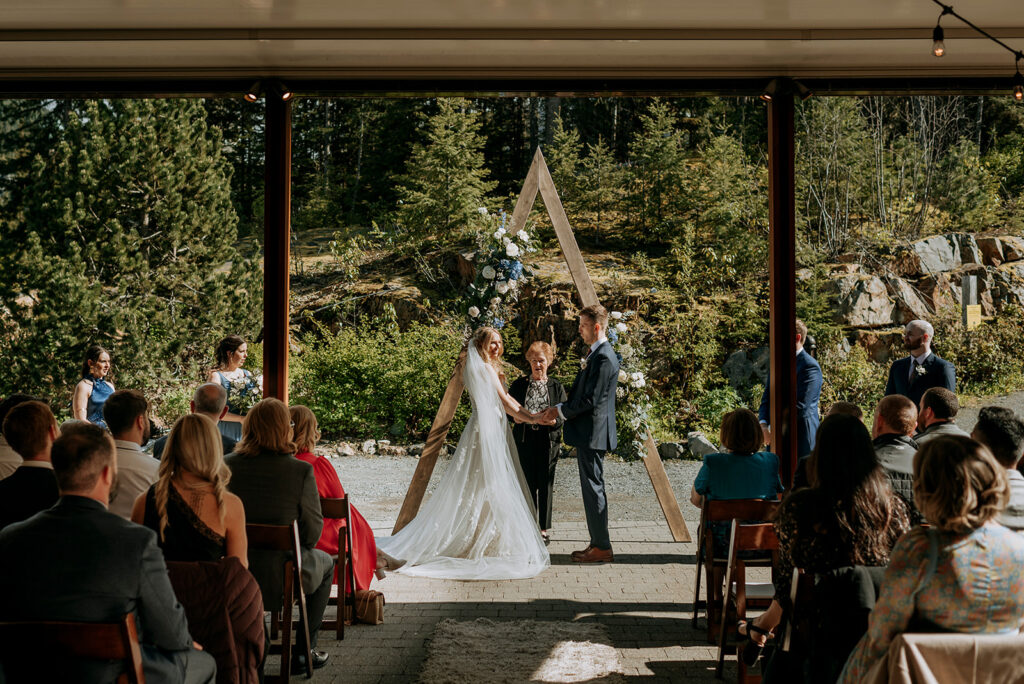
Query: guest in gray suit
x: 935, y: 416
x: 277, y: 488
x: 589, y: 416
x: 79, y: 562
x: 1002, y: 432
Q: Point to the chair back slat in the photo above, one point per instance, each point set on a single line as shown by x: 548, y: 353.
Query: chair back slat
x: 334, y: 508
x: 755, y: 537
x: 740, y: 509
x: 89, y: 640
x: 270, y: 537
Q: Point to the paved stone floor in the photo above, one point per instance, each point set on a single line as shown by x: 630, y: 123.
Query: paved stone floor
x: 643, y: 599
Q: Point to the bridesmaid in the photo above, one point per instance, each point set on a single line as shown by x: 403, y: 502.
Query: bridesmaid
x: 231, y: 354
x: 93, y: 389
x: 305, y: 434
x: 538, y: 445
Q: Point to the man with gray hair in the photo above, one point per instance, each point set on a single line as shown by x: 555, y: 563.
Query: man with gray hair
x: 210, y: 400
x: 914, y: 375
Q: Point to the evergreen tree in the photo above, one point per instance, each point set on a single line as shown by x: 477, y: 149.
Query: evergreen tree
x: 563, y: 159
x: 445, y: 180
x: 657, y: 160
x: 602, y: 185
x: 121, y: 233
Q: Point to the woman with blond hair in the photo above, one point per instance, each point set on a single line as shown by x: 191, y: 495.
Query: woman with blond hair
x: 479, y: 523
x: 965, y: 573
x: 279, y: 489
x: 189, y: 507
x: 364, y: 548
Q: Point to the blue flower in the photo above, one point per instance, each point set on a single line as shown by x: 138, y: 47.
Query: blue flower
x: 613, y: 335
x: 505, y: 265
x: 498, y: 323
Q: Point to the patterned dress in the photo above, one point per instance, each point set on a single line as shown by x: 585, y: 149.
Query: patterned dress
x: 977, y: 587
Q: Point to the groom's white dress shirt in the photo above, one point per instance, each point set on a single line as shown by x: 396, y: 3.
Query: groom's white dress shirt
x: 916, y: 361
x: 593, y: 348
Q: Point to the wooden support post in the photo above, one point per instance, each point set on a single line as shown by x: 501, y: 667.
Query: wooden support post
x: 782, y: 278
x: 277, y: 201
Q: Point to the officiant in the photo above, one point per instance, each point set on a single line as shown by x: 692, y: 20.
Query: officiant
x: 538, y: 445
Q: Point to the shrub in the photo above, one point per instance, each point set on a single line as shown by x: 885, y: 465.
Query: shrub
x: 985, y: 358
x: 365, y: 382
x: 851, y: 376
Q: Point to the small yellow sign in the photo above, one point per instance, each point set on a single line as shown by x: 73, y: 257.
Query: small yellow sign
x: 973, y: 312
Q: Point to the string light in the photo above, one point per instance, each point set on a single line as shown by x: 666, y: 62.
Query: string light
x: 939, y: 46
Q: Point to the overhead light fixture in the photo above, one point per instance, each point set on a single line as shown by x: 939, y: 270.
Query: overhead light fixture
x: 1018, y: 84
x: 938, y: 44
x: 253, y: 92
x: 803, y: 91
x: 280, y: 90
x: 770, y: 90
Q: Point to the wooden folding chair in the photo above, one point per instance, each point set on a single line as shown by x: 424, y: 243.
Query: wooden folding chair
x: 721, y: 511
x: 284, y: 539
x: 92, y: 640
x: 755, y: 537
x: 344, y: 567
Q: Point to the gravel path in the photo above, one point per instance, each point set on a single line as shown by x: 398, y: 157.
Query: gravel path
x: 379, y: 483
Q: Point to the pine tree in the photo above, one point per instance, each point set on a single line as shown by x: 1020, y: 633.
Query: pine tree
x: 563, y: 159
x: 657, y: 159
x: 445, y: 181
x: 121, y: 233
x: 602, y: 185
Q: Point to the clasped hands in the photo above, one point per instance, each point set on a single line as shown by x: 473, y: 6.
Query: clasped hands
x: 548, y: 416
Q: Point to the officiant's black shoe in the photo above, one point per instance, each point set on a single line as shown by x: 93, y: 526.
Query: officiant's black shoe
x: 593, y: 555
x: 299, y: 661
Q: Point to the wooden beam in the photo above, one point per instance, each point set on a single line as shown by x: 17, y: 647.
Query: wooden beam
x: 435, y: 440
x: 782, y: 279
x: 277, y: 202
x: 527, y: 196
x: 663, y: 491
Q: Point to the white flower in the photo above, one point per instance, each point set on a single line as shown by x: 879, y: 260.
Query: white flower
x: 488, y: 272
x: 639, y: 383
x: 501, y: 286
x: 512, y: 250
x: 474, y: 312
x: 482, y: 210
x: 498, y: 233
x: 523, y: 235
x: 621, y: 327
x: 583, y: 364
x: 616, y: 315
x: 512, y: 284
x: 623, y: 377
x: 495, y: 301
x: 507, y: 241
x: 626, y: 351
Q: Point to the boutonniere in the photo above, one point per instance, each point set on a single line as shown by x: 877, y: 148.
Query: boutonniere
x: 583, y: 364
x: 920, y: 370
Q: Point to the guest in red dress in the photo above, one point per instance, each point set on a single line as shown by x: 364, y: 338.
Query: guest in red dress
x: 364, y: 547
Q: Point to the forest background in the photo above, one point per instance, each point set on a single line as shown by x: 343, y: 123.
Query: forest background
x: 136, y: 224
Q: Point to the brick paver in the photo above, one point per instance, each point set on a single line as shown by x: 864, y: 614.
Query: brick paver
x: 643, y: 600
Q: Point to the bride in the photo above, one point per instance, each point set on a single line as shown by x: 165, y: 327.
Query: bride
x: 479, y: 523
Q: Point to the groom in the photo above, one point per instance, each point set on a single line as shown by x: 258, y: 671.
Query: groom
x: 589, y: 416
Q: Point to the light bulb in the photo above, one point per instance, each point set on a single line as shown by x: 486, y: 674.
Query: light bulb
x: 938, y: 44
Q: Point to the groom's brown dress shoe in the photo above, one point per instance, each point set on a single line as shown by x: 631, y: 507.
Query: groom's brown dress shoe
x: 576, y: 554
x: 593, y: 555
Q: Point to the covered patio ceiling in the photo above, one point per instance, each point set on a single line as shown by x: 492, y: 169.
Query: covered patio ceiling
x: 833, y: 41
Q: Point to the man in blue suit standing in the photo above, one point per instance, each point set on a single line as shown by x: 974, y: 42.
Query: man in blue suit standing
x: 808, y: 392
x: 916, y: 374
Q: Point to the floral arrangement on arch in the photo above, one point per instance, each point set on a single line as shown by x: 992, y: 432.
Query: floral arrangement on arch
x: 632, y: 405
x: 500, y: 271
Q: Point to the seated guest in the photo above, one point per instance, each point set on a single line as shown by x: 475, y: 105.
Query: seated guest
x: 78, y: 562
x: 127, y: 415
x: 30, y: 429
x: 277, y: 489
x: 741, y: 471
x: 848, y: 515
x: 893, y: 429
x: 189, y: 507
x: 210, y: 400
x: 846, y: 408
x: 364, y: 546
x: 9, y: 458
x: 94, y: 388
x: 935, y: 416
x: 1002, y: 432
x: 965, y: 573
x: 71, y: 425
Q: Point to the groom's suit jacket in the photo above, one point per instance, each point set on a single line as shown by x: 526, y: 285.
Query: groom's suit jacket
x: 590, y: 410
x: 937, y: 373
x: 808, y: 392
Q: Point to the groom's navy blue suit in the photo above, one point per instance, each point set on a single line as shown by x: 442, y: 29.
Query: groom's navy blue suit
x: 937, y: 373
x: 590, y: 427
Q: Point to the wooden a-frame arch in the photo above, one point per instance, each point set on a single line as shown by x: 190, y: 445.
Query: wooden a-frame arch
x: 538, y: 178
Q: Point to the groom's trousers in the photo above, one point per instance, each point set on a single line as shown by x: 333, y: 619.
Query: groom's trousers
x: 591, y: 464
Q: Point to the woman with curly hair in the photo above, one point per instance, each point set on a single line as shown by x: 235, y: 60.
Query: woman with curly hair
x: 965, y: 573
x: 189, y: 507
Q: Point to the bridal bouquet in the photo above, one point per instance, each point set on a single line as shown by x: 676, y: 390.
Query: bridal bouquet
x: 632, y: 405
x: 244, y: 393
x: 500, y: 271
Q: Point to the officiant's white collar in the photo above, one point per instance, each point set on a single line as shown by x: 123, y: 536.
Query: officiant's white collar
x: 593, y: 347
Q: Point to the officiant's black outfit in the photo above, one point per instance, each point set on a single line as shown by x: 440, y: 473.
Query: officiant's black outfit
x: 538, y: 446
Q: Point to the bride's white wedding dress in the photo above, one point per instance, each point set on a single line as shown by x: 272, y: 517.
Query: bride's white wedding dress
x: 479, y: 524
